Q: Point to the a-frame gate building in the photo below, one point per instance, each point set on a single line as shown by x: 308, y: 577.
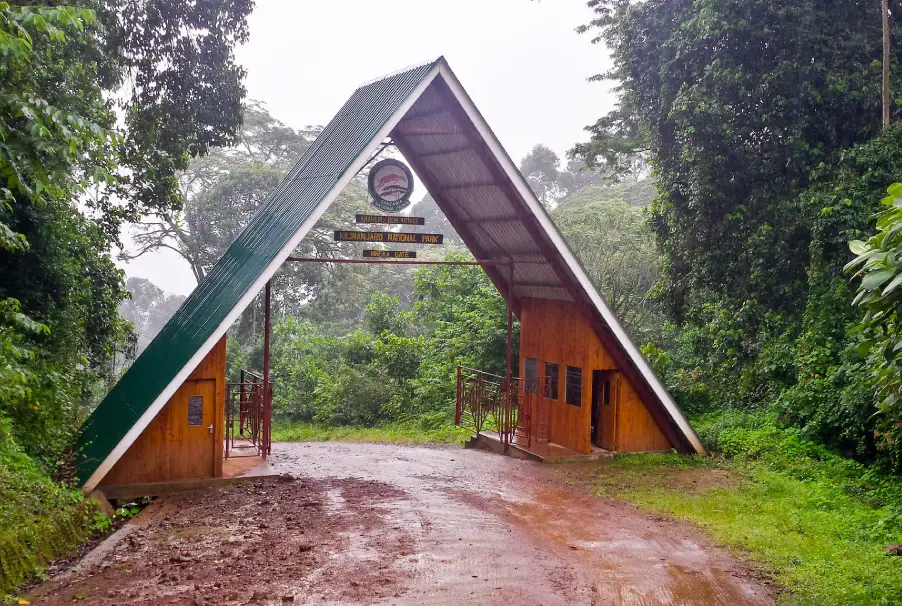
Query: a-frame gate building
x: 163, y: 420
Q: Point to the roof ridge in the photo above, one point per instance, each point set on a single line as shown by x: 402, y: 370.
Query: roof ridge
x: 409, y: 68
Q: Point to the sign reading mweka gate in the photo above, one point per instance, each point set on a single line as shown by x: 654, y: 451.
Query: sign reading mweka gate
x: 389, y: 254
x: 389, y: 237
x: 389, y: 220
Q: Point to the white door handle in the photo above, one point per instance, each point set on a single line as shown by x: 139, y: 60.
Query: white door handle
x: 210, y: 428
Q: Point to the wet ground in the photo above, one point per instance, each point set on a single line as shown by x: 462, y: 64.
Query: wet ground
x: 385, y: 524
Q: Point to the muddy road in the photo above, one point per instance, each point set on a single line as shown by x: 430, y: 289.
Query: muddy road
x: 385, y: 524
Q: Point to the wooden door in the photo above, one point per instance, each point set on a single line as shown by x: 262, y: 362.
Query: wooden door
x: 605, y: 407
x: 195, y: 411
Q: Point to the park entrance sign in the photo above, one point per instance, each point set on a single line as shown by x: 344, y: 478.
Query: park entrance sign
x: 391, y: 184
x: 584, y: 383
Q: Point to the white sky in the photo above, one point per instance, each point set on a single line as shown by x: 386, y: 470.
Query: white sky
x: 520, y: 61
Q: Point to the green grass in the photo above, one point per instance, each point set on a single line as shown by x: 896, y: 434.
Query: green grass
x: 398, y: 434
x: 822, y: 544
x: 39, y: 519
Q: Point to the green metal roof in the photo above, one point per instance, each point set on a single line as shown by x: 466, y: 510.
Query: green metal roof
x: 246, y: 260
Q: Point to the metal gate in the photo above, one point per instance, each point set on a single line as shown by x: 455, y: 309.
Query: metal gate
x: 485, y: 404
x: 248, y: 417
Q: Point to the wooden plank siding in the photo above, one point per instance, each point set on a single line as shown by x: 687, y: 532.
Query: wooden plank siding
x: 169, y: 449
x: 558, y: 332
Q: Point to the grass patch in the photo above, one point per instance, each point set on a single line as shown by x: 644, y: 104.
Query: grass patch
x: 40, y: 520
x: 397, y: 434
x: 818, y: 523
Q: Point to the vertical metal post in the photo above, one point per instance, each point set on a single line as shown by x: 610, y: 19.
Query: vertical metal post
x: 458, y: 406
x: 510, y: 331
x: 242, y: 408
x: 267, y: 393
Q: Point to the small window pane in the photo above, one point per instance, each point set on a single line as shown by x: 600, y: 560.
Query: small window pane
x: 551, y: 381
x: 574, y: 386
x: 532, y: 375
x: 606, y: 395
x: 196, y: 410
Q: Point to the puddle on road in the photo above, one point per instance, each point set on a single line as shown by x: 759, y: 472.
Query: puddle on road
x: 497, y: 531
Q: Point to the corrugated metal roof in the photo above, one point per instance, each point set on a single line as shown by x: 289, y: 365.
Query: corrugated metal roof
x: 271, y: 228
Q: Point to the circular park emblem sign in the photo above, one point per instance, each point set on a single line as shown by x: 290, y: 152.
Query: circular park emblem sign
x: 391, y: 184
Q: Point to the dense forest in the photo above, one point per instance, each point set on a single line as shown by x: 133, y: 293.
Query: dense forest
x: 739, y: 210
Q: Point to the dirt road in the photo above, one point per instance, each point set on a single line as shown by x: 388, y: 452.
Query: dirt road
x: 384, y: 524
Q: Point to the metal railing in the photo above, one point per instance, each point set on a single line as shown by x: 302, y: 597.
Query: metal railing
x: 483, y: 405
x: 248, y: 417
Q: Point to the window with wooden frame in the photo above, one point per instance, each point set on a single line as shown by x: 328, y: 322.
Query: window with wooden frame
x: 573, y: 386
x: 552, y: 385
x: 531, y: 371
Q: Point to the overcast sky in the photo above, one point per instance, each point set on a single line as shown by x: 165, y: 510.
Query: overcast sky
x: 520, y: 60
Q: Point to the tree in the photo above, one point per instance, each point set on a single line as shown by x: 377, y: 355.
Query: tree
x: 617, y: 248
x: 733, y: 141
x: 179, y: 91
x: 148, y: 309
x: 541, y: 167
x: 222, y: 191
x: 58, y: 287
x: 887, y: 57
x: 71, y: 171
x: 762, y: 124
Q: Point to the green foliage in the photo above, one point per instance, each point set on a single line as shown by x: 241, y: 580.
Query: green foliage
x: 399, y: 367
x: 614, y: 244
x: 764, y: 170
x: 39, y: 519
x: 879, y: 265
x: 638, y: 194
x: 72, y: 170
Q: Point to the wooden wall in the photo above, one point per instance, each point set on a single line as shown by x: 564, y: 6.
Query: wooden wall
x: 169, y: 449
x: 558, y: 332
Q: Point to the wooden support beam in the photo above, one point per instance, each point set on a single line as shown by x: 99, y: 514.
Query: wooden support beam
x: 498, y: 252
x: 492, y: 220
x: 447, y: 152
x: 419, y: 116
x: 540, y: 285
x: 467, y: 186
x: 429, y: 133
x: 159, y: 489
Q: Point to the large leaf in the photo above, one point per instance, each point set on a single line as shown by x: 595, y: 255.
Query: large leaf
x: 858, y: 247
x: 893, y: 285
x: 876, y: 279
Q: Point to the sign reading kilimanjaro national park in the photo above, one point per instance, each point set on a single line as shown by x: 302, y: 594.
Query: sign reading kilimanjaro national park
x: 389, y: 237
x: 391, y: 184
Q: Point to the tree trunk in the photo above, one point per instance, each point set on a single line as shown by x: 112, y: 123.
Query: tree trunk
x: 886, y: 65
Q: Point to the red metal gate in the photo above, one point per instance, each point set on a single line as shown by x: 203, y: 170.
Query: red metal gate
x: 483, y: 405
x: 248, y: 417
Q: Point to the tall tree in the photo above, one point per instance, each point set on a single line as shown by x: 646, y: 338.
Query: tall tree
x: 99, y: 106
x: 148, y: 309
x: 222, y: 191
x: 542, y: 169
x: 736, y: 117
x: 616, y: 246
x: 887, y: 57
x: 178, y: 88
